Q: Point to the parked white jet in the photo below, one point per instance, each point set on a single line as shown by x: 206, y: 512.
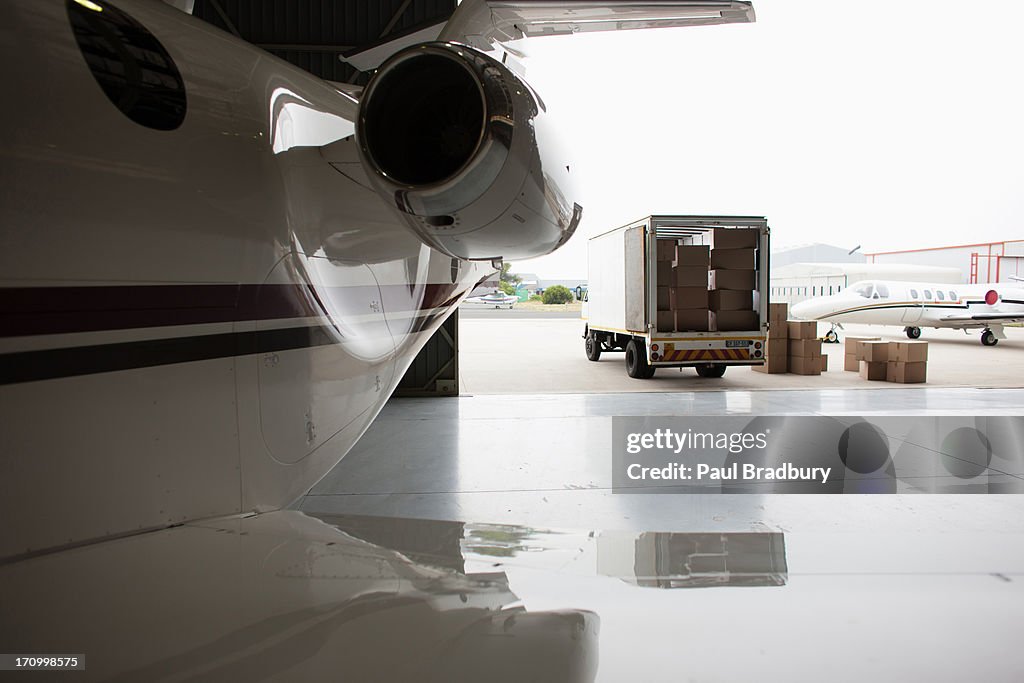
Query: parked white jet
x: 494, y: 299
x: 217, y: 267
x: 915, y: 305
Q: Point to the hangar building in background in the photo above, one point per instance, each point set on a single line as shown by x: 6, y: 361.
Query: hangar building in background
x: 979, y: 263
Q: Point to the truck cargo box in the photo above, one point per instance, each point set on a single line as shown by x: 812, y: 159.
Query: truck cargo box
x: 706, y: 307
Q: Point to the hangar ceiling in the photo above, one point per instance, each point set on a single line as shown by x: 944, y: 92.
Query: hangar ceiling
x: 312, y: 34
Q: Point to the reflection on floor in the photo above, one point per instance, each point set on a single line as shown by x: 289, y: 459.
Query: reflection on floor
x: 881, y: 587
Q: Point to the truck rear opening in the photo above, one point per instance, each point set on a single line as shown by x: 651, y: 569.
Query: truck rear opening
x: 679, y: 291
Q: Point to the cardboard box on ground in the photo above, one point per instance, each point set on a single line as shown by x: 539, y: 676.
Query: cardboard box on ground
x: 853, y: 355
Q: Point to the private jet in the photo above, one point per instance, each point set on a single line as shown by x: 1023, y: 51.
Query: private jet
x: 216, y: 267
x: 915, y: 305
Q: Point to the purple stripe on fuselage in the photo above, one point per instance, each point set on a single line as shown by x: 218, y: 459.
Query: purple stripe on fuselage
x: 62, y: 310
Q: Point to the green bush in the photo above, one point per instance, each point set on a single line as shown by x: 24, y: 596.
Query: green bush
x: 557, y: 294
x: 507, y: 288
x: 536, y: 297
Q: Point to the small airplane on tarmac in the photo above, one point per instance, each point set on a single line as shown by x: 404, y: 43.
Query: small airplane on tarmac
x: 496, y: 299
x: 915, y: 305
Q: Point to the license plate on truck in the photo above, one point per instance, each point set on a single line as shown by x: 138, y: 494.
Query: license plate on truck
x: 736, y: 343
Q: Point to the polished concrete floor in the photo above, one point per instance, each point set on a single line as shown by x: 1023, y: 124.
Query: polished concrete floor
x: 547, y: 459
x: 500, y: 354
x: 778, y: 587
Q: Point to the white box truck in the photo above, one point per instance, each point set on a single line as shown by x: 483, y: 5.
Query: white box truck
x: 679, y: 291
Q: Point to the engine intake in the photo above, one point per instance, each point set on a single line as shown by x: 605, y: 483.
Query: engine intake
x: 450, y: 136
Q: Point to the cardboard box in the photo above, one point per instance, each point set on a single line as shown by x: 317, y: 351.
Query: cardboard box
x: 692, y: 320
x: 732, y: 259
x: 805, y: 365
x: 666, y: 250
x: 666, y: 321
x: 804, y: 348
x: 733, y: 321
x: 873, y: 351
x: 690, y: 276
x: 908, y: 351
x: 873, y: 370
x: 777, y: 313
x: 731, y: 300
x: 903, y: 372
x: 664, y: 302
x: 720, y: 278
x: 734, y: 238
x: 850, y: 363
x: 778, y: 331
x: 664, y: 274
x: 774, y: 364
x: 692, y: 255
x: 824, y: 362
x: 852, y: 347
x: 688, y: 297
x: 802, y: 329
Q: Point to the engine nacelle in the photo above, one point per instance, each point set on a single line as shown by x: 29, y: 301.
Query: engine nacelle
x: 450, y: 136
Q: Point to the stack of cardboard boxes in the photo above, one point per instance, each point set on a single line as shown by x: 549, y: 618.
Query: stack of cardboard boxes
x: 732, y: 279
x: 873, y: 357
x: 776, y: 352
x: 908, y: 362
x: 682, y: 286
x: 805, y: 357
x: 854, y: 354
x: 900, y: 362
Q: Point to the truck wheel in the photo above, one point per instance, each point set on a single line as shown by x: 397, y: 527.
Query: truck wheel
x: 593, y: 347
x: 710, y: 370
x: 637, y: 366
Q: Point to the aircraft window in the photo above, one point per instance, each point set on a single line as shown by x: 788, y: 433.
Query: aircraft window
x: 927, y: 294
x: 940, y: 294
x: 882, y: 291
x: 130, y: 65
x: 953, y: 296
x: 864, y: 290
x: 913, y: 294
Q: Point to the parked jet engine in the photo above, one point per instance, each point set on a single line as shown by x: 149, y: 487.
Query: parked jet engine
x: 455, y: 140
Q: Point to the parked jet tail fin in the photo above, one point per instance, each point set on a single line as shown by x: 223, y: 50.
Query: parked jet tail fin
x: 483, y: 23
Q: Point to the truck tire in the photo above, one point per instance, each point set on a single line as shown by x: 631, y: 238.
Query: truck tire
x: 710, y: 370
x: 593, y: 347
x: 637, y: 366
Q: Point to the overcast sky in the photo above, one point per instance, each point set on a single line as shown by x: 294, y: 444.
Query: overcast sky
x: 889, y: 124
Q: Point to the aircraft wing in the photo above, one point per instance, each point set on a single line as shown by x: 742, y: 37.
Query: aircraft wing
x: 483, y: 23
x: 995, y: 317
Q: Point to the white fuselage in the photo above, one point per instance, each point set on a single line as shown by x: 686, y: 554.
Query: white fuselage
x: 196, y: 322
x: 914, y: 304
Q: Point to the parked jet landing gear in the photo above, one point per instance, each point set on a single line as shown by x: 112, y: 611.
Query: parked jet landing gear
x: 912, y: 332
x: 831, y: 337
x: 988, y: 338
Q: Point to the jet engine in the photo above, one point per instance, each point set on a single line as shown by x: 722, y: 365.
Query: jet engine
x: 456, y: 142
